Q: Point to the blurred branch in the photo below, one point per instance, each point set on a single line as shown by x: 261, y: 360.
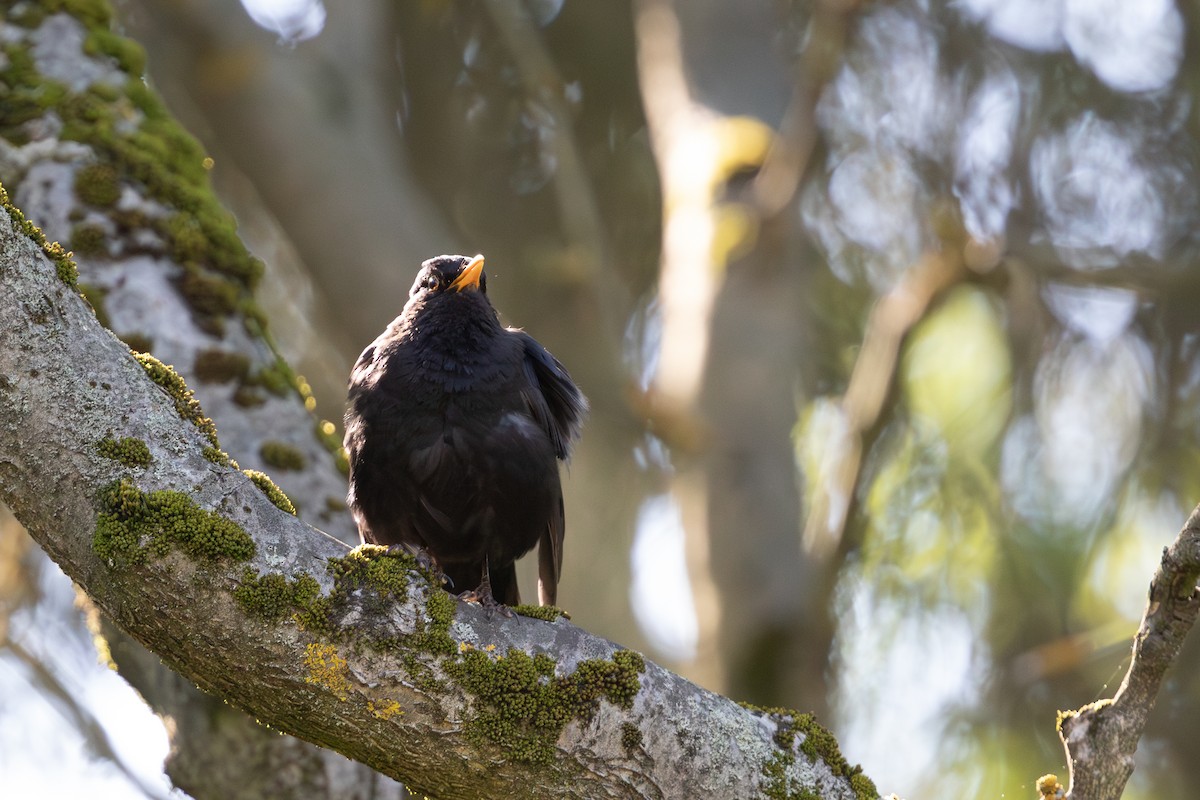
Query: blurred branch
x: 685, y: 137
x: 787, y: 160
x: 871, y: 381
x: 1100, y: 739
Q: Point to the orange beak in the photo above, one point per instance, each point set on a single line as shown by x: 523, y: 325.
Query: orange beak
x: 469, y: 277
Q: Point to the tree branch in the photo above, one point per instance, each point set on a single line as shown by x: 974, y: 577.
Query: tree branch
x: 1101, y: 738
x: 356, y: 653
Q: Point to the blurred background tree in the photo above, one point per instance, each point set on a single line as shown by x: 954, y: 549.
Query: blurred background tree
x: 883, y: 310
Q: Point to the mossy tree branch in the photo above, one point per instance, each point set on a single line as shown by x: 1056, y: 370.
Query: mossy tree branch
x: 89, y: 150
x: 1101, y: 738
x: 358, y: 652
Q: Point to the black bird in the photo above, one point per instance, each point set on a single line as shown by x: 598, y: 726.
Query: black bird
x: 454, y: 429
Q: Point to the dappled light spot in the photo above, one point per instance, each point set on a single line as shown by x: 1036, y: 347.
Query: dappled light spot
x: 877, y: 198
x: 1062, y: 466
x: 1099, y: 313
x: 661, y: 594
x: 984, y: 154
x: 1101, y: 197
x: 1133, y: 47
x: 293, y: 20
x: 1031, y: 24
x: 913, y: 668
x: 957, y: 373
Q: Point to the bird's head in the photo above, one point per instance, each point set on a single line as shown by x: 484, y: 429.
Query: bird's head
x: 449, y: 275
x: 449, y: 295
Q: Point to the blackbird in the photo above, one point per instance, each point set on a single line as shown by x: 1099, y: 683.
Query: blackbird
x: 454, y: 429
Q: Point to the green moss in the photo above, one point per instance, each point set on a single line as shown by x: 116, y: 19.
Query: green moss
x: 219, y: 457
x: 92, y: 13
x: 106, y: 92
x: 128, y: 220
x: 246, y: 397
x: 372, y: 565
x: 220, y: 366
x: 68, y: 273
x: 546, y: 613
x: 818, y: 743
x: 267, y: 596
x: 273, y: 492
x: 364, y: 566
x: 281, y: 455
x: 253, y: 319
x: 184, y: 237
x: 98, y: 185
x: 631, y: 736
x: 146, y: 101
x: 519, y: 703
x: 208, y: 295
x: 314, y: 617
x: 129, y: 55
x: 89, y: 239
x: 434, y: 636
x: 185, y: 400
x: 129, y: 451
x: 204, y: 233
x: 273, y: 597
x: 778, y: 785
x: 24, y: 94
x: 134, y: 525
x: 522, y: 706
x: 421, y: 675
x: 277, y: 378
x: 864, y: 787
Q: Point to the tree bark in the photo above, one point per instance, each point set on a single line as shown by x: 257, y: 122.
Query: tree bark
x: 1102, y: 737
x: 415, y: 693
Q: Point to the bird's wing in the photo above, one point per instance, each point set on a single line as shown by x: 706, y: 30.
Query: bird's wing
x: 557, y: 405
x: 554, y: 401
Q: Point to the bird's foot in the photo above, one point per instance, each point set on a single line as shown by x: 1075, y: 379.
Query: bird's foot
x: 484, y: 599
x: 425, y: 561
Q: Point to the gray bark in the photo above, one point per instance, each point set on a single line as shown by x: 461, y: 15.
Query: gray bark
x: 1101, y: 738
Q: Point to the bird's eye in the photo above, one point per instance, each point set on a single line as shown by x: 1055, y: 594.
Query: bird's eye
x: 432, y: 282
